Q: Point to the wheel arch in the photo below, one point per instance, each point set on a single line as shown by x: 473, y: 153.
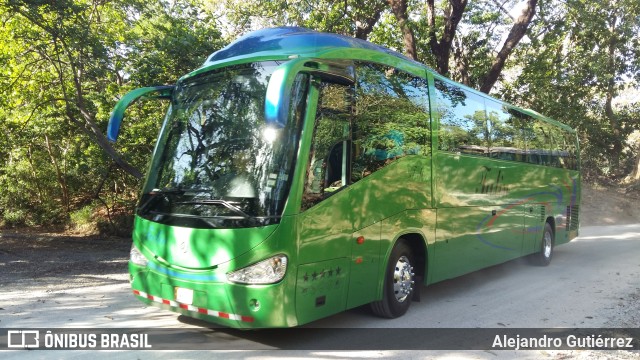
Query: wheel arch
x: 544, y: 254
x: 418, y: 244
x: 417, y: 241
x: 552, y: 222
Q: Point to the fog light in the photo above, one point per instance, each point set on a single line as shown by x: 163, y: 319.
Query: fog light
x: 254, y: 305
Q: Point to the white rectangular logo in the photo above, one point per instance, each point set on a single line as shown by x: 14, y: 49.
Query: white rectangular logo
x: 23, y: 339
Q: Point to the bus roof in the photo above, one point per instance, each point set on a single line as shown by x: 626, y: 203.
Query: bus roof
x: 292, y: 41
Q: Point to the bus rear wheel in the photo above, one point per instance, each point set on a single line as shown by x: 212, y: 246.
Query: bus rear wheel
x: 543, y: 257
x: 399, y: 284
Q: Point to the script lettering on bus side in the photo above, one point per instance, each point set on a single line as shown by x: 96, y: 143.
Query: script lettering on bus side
x: 491, y: 184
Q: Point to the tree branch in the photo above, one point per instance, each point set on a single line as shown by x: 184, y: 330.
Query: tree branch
x: 515, y: 35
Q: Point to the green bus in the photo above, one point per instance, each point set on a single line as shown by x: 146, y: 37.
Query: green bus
x: 298, y: 174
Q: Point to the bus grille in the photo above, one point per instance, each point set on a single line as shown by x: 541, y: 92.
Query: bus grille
x: 572, y: 218
x: 575, y: 216
x: 542, y: 213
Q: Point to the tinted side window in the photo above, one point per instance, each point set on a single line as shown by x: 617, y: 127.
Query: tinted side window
x: 562, y: 149
x: 328, y: 166
x: 506, y: 136
x: 391, y: 118
x: 570, y: 147
x: 463, y: 126
x: 540, y: 145
x: 543, y: 146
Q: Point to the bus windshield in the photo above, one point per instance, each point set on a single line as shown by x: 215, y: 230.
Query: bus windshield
x: 218, y: 164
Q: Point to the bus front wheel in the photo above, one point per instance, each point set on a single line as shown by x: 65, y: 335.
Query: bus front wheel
x: 543, y: 257
x: 399, y: 283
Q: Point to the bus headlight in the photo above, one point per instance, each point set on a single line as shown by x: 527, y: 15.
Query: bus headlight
x: 136, y: 257
x: 267, y: 271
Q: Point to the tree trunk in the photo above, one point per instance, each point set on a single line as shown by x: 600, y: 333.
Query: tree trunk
x: 616, y: 149
x: 635, y: 176
x: 515, y: 35
x: 90, y: 128
x: 399, y: 9
x: 462, y: 63
x: 34, y: 174
x: 441, y: 49
x: 59, y: 175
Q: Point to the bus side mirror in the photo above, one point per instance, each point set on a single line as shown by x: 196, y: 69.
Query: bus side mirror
x: 154, y: 92
x: 276, y: 107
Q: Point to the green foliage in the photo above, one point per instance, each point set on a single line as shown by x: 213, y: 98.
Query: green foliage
x: 583, y: 56
x: 13, y: 218
x: 67, y: 62
x: 82, y: 219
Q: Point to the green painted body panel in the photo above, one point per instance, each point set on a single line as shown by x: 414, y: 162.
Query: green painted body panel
x: 403, y: 184
x: 196, y: 248
x: 211, y: 288
x: 461, y: 247
x: 330, y: 229
x: 321, y: 289
x: 463, y: 212
x: 491, y: 211
x: 420, y: 222
x: 364, y: 265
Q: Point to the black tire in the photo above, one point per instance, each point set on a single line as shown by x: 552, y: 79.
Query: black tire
x: 543, y: 257
x: 398, y: 287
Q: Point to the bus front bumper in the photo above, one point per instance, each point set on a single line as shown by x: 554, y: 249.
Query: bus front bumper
x: 224, y: 303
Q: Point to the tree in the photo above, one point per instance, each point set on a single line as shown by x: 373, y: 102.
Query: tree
x: 69, y: 39
x: 582, y: 56
x: 515, y: 35
x: 399, y: 9
x: 355, y: 18
x: 65, y: 65
x: 440, y: 26
x: 441, y: 47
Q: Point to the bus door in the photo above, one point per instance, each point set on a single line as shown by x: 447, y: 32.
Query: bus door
x: 325, y: 226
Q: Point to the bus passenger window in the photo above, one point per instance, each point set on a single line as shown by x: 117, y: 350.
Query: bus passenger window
x: 328, y: 162
x: 506, y: 140
x: 463, y: 123
x: 391, y: 118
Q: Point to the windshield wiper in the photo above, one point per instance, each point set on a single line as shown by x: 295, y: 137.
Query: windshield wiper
x: 224, y: 203
x: 153, y: 194
x: 176, y: 191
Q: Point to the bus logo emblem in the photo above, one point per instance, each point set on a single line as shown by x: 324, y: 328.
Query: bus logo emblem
x: 182, y: 245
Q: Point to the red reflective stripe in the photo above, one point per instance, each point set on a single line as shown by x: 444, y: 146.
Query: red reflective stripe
x: 223, y: 315
x: 198, y: 310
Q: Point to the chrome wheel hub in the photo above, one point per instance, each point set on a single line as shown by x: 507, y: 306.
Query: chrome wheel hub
x: 547, y: 245
x: 403, y: 279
